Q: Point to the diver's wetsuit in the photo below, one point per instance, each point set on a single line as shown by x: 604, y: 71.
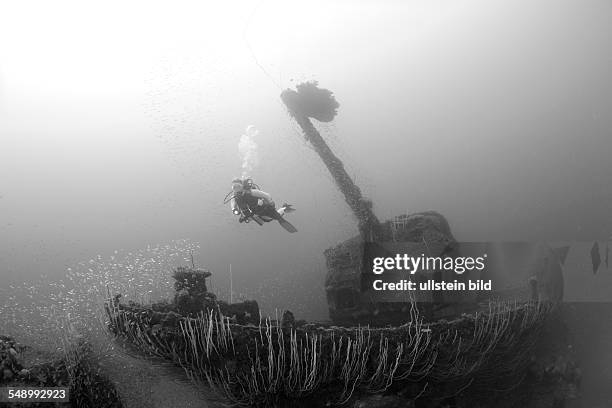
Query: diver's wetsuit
x: 248, y: 201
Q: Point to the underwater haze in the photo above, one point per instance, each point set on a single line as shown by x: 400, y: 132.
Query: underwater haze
x: 121, y: 126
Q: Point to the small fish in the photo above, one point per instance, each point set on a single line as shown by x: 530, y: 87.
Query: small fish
x: 607, y: 254
x: 595, y: 257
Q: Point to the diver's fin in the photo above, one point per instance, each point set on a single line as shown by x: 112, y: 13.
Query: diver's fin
x: 287, y: 225
x: 288, y: 208
x: 285, y: 209
x: 256, y: 218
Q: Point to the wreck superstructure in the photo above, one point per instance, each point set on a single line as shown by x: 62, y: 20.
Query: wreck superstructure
x: 348, y: 302
x: 425, y: 233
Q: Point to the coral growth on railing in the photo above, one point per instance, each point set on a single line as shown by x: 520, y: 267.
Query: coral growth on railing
x: 261, y: 364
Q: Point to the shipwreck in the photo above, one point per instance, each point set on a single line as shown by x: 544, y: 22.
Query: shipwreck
x: 424, y: 353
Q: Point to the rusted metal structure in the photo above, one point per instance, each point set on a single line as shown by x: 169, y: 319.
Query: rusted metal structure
x: 416, y: 234
x: 428, y: 231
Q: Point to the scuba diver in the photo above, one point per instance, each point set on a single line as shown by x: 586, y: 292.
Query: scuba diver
x: 251, y: 203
